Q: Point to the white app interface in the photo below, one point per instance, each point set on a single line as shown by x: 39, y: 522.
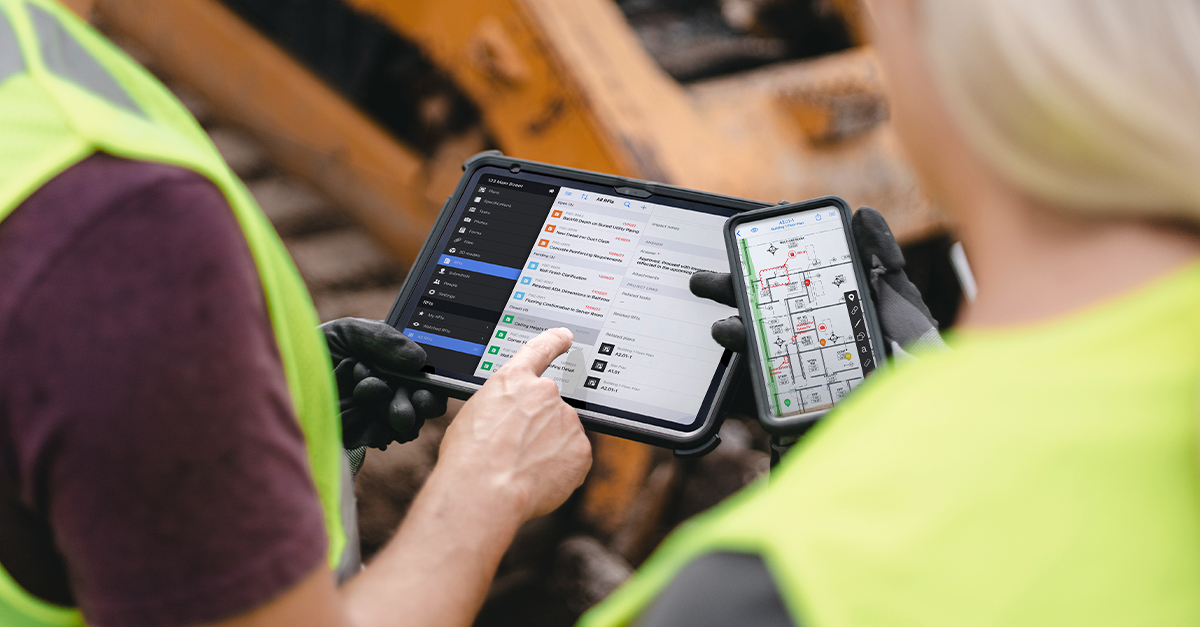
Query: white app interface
x: 615, y: 271
x: 808, y: 318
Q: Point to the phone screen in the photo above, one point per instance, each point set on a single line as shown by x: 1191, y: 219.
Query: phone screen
x: 808, y: 319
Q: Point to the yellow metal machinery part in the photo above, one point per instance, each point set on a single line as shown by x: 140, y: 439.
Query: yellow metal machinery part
x: 567, y: 81
x: 561, y: 81
x: 305, y: 126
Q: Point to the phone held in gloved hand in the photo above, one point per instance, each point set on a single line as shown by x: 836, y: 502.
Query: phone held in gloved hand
x: 812, y: 332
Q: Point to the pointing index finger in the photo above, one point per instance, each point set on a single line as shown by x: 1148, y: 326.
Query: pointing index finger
x: 537, y: 354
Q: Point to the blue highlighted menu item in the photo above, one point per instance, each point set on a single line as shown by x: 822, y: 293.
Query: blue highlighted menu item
x: 481, y: 267
x: 483, y: 252
x: 442, y: 341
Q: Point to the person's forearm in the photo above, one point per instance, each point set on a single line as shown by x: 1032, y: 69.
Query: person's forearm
x: 515, y: 451
x: 437, y: 569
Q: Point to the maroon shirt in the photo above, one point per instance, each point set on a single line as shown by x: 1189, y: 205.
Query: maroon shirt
x: 151, y: 469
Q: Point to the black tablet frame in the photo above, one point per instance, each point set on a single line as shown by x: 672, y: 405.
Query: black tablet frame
x: 697, y: 438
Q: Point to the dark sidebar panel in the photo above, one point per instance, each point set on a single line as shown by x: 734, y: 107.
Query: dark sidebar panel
x: 476, y: 270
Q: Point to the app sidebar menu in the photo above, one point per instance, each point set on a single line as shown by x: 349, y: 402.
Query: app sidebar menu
x: 477, y: 269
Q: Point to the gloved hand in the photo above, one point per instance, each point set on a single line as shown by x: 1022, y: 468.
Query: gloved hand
x: 729, y: 333
x: 376, y: 409
x: 904, y: 319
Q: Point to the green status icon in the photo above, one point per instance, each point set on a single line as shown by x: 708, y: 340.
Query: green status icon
x: 787, y: 402
x: 501, y: 334
x: 492, y: 350
x: 508, y: 319
x: 487, y: 365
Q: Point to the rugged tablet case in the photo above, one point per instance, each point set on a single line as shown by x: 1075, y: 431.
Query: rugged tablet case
x: 695, y: 443
x: 753, y: 361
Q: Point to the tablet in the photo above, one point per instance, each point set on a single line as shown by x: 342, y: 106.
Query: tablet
x: 522, y: 247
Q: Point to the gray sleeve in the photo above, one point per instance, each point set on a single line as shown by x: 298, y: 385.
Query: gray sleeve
x: 719, y: 589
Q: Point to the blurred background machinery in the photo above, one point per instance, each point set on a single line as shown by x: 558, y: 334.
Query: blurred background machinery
x: 350, y: 119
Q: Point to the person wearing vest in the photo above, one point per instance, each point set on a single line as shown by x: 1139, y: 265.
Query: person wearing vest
x: 1043, y: 470
x: 172, y: 420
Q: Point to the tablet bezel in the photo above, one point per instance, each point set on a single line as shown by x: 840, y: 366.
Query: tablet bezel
x: 612, y: 421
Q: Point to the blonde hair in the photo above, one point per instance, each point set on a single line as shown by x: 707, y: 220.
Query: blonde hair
x: 1090, y: 104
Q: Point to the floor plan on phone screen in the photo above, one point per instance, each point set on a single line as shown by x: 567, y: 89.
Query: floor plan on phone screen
x: 808, y: 315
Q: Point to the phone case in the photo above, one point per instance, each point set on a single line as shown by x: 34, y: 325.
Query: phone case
x: 754, y: 359
x: 696, y: 442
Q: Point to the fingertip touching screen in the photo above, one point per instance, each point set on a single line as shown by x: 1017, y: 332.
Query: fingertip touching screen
x: 809, y: 321
x: 524, y: 252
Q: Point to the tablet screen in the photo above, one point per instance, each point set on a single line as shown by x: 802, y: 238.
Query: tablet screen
x: 522, y: 253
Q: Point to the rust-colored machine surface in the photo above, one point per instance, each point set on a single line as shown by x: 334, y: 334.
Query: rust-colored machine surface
x: 570, y: 83
x: 562, y: 81
x: 765, y: 99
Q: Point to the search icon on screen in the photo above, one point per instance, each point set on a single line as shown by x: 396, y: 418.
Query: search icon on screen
x: 626, y: 203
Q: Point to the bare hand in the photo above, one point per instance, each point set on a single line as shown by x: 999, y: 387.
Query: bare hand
x: 517, y: 436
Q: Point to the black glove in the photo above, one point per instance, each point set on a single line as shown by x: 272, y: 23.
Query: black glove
x: 730, y: 333
x: 905, y: 320
x: 378, y: 409
x: 718, y: 286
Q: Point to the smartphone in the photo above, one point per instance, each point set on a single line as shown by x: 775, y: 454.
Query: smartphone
x: 812, y: 333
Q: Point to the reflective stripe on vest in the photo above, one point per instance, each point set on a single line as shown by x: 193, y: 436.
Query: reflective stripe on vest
x: 65, y: 57
x: 11, y: 60
x: 66, y: 92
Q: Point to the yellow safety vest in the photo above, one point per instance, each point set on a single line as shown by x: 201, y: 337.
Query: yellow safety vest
x: 65, y: 93
x: 1047, y: 475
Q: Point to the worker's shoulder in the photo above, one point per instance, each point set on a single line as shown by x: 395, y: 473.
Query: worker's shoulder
x: 1132, y: 340
x: 106, y: 208
x: 101, y: 182
x: 96, y: 188
x: 1055, y: 386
